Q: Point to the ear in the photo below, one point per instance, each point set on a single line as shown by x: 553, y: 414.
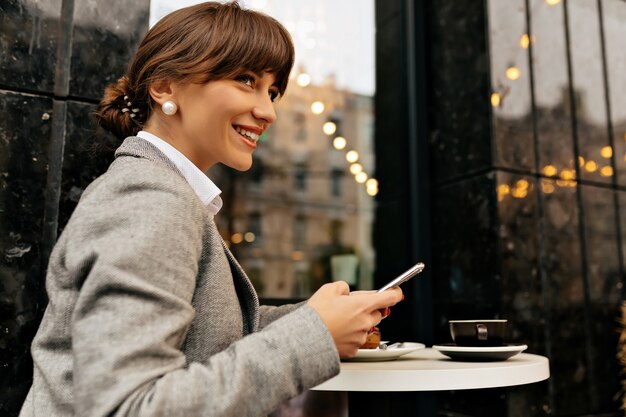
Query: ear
x: 161, y: 91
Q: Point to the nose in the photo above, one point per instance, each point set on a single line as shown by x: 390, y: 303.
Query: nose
x: 264, y: 110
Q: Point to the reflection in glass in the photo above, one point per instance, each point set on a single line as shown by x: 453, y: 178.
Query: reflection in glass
x: 510, y: 84
x: 588, y: 85
x: 549, y: 58
x: 613, y: 16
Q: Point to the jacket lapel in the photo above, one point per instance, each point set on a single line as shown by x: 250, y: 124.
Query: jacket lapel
x: 245, y: 289
x: 140, y: 148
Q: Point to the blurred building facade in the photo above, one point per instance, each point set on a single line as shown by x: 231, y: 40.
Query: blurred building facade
x: 301, y: 204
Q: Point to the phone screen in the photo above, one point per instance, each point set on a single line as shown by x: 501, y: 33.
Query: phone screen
x: 404, y: 277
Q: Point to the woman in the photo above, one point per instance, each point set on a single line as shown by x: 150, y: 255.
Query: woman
x: 149, y: 312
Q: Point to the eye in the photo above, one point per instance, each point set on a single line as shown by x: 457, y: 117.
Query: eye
x: 274, y: 94
x: 246, y: 79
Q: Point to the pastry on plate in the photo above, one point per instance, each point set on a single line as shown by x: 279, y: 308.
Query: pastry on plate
x: 373, y: 339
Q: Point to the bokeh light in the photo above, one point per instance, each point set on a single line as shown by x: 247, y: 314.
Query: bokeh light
x: 340, y: 143
x: 361, y: 177
x: 303, y: 79
x: 513, y: 73
x: 317, y: 107
x: 356, y: 168
x: 606, y: 152
x: 495, y: 99
x: 550, y: 170
x: 352, y: 156
x: 236, y: 238
x: 329, y: 128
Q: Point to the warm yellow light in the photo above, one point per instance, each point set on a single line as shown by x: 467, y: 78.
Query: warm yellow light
x: 547, y: 187
x: 236, y: 238
x: 340, y: 143
x: 553, y: 2
x: 361, y: 177
x: 249, y: 237
x: 581, y: 161
x: 550, y: 170
x: 503, y: 190
x: 519, y: 192
x: 524, y: 41
x: 568, y: 174
x: 495, y: 99
x: 523, y: 184
x: 566, y: 183
x: 303, y: 79
x: 317, y: 107
x: 352, y: 156
x: 297, y: 255
x: 356, y: 168
x: 606, y: 171
x: 513, y: 73
x: 591, y: 166
x: 372, y: 183
x: 372, y: 191
x: 329, y: 128
x: 606, y: 152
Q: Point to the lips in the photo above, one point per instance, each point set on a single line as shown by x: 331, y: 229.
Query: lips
x: 250, y: 134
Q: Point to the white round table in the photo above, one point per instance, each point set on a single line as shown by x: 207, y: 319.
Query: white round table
x: 429, y: 370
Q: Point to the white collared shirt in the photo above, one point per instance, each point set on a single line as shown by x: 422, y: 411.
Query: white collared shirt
x: 205, y: 189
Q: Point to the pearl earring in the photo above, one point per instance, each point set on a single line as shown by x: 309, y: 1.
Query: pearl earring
x: 169, y: 107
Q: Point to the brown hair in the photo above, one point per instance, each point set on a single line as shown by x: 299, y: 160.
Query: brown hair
x: 197, y: 44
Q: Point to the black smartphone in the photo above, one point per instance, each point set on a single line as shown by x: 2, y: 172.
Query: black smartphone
x: 404, y: 277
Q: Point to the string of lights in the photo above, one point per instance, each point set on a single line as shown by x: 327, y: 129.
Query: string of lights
x: 340, y: 143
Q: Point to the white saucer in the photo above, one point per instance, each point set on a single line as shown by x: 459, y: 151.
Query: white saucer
x: 471, y: 353
x: 379, y: 355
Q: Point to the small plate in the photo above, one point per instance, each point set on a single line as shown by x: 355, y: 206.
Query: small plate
x: 379, y: 355
x: 470, y: 353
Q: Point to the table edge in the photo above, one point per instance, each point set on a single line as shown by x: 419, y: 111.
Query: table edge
x: 439, y: 380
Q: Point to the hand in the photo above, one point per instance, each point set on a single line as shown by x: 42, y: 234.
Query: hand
x: 349, y: 316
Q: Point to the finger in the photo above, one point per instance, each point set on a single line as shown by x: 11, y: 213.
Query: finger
x: 385, y: 311
x: 341, y: 287
x: 362, y: 292
x: 384, y: 299
x: 376, y: 317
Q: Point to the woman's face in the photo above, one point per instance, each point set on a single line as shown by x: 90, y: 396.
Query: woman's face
x: 221, y: 121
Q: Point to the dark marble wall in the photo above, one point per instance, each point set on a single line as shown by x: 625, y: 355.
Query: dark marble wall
x: 55, y: 59
x: 527, y: 120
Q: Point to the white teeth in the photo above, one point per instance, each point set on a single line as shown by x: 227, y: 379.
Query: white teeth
x: 248, y: 134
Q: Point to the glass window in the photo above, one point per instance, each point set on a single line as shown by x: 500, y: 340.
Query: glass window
x: 300, y: 126
x: 336, y: 176
x: 300, y: 177
x: 299, y: 233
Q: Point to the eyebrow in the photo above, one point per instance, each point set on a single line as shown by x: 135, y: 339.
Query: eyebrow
x: 260, y: 75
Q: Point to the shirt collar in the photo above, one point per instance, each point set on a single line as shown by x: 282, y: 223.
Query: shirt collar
x: 205, y: 189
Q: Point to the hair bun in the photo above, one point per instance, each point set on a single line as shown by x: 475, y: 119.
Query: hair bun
x: 116, y: 112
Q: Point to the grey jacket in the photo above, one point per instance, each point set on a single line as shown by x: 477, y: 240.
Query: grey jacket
x: 150, y: 314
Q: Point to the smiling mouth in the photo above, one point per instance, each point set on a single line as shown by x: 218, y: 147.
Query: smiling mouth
x: 247, y: 135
